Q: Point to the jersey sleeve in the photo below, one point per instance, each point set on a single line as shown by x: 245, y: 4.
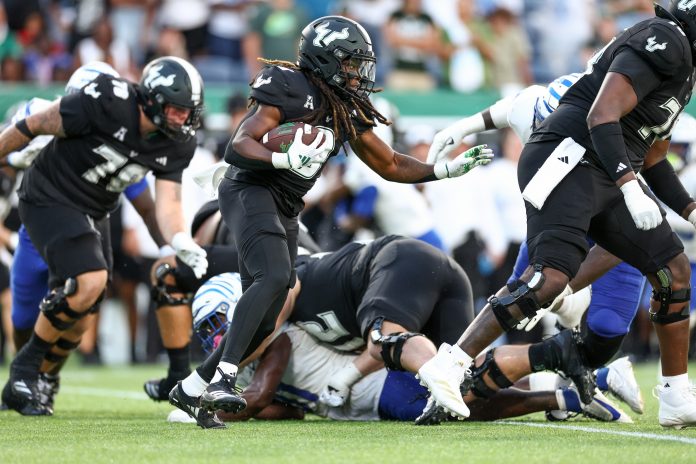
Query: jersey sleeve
x: 643, y: 77
x: 183, y: 153
x: 270, y: 87
x: 661, y: 46
x: 93, y: 106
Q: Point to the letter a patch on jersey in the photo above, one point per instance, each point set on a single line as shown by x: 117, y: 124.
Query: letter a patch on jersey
x: 309, y: 104
x: 653, y: 45
x: 120, y: 134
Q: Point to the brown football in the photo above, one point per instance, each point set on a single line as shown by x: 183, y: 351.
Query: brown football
x: 279, y: 139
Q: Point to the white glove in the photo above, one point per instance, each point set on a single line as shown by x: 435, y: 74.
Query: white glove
x: 300, y: 155
x: 644, y: 211
x: 479, y: 155
x: 337, y: 391
x: 190, y: 253
x: 692, y: 218
x: 528, y: 324
x: 22, y: 159
x: 445, y: 141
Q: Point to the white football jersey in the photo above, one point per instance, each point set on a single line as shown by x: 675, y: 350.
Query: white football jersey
x: 309, y: 370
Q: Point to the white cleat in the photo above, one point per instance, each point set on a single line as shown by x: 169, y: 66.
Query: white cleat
x: 602, y: 409
x: 622, y: 384
x: 677, y: 406
x: 443, y: 375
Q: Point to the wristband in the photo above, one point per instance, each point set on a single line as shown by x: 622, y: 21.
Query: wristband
x: 22, y: 127
x: 280, y: 160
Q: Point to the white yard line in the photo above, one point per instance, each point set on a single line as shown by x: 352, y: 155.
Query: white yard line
x: 650, y: 436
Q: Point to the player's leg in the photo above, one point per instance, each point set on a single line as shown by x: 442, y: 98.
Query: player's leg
x: 76, y: 257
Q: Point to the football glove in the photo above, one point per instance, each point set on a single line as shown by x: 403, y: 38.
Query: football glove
x: 190, y: 253
x: 300, y: 155
x: 337, y: 391
x: 479, y: 155
x: 447, y: 140
x: 644, y: 211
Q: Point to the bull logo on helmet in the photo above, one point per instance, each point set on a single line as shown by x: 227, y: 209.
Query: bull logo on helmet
x: 155, y: 79
x: 325, y: 35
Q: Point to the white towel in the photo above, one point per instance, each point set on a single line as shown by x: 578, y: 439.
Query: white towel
x: 564, y: 158
x: 209, y: 178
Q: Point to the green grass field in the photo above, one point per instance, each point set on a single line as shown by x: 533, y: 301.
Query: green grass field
x: 102, y: 415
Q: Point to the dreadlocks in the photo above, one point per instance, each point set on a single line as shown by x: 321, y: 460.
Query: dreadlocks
x: 331, y: 103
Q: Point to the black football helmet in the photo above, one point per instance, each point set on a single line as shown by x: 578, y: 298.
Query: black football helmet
x: 172, y: 81
x: 338, y: 50
x: 683, y: 13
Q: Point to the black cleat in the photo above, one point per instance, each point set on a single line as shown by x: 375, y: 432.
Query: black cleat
x: 48, y: 386
x: 158, y: 389
x: 572, y: 364
x: 22, y: 396
x: 432, y: 414
x: 224, y: 395
x: 190, y: 405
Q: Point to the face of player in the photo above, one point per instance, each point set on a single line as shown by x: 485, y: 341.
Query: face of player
x: 356, y: 70
x: 176, y: 115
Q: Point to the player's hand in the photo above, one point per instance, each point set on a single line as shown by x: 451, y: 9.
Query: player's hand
x: 644, y: 211
x: 692, y: 218
x: 337, y: 391
x: 444, y: 142
x: 479, y: 155
x: 22, y: 159
x: 300, y: 155
x: 190, y: 253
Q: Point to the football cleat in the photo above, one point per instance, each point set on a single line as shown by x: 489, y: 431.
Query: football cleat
x: 572, y: 364
x: 158, y: 389
x: 48, y: 386
x: 601, y: 408
x: 677, y: 406
x: 223, y: 394
x: 432, y: 414
x: 623, y: 385
x: 191, y: 406
x: 443, y: 375
x: 22, y: 396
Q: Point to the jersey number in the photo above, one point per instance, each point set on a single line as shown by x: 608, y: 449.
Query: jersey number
x: 120, y: 90
x: 661, y: 131
x: 595, y: 58
x: 114, y: 161
x: 332, y: 332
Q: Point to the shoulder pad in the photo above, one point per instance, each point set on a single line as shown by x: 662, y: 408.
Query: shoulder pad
x: 663, y: 45
x: 270, y: 86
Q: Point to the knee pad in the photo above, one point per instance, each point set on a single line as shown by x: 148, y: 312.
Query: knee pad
x: 665, y: 296
x: 479, y: 386
x: 597, y: 350
x: 161, y: 292
x: 56, y: 303
x: 522, y: 295
x: 395, y: 340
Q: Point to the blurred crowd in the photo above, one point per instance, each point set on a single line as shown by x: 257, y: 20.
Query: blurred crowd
x: 421, y: 45
x: 465, y: 45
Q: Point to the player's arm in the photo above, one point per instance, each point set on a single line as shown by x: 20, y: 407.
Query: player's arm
x: 398, y: 167
x: 45, y: 122
x: 170, y: 218
x: 664, y: 182
x: 145, y: 207
x: 261, y: 391
x: 246, y: 142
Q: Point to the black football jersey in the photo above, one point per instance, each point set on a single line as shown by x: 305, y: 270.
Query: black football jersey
x: 655, y: 55
x: 296, y: 97
x: 333, y: 285
x: 103, y: 151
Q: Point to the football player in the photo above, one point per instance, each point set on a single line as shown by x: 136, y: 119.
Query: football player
x: 261, y: 192
x: 288, y: 379
x: 613, y: 122
x: 106, y: 137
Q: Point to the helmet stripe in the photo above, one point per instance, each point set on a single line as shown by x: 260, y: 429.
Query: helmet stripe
x: 194, y: 78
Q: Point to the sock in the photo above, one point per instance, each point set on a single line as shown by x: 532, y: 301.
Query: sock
x: 602, y: 374
x: 545, y: 356
x: 29, y: 359
x: 227, y: 368
x: 675, y: 381
x: 461, y: 356
x: 194, y: 385
x: 542, y: 381
x: 179, y: 359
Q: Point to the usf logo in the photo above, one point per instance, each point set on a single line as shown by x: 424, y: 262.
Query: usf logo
x: 155, y: 79
x: 325, y: 35
x: 653, y: 45
x: 686, y: 5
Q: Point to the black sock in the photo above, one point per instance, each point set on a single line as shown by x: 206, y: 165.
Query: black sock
x: 179, y: 359
x: 29, y: 359
x: 545, y: 356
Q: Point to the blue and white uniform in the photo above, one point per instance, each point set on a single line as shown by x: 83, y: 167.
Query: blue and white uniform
x: 616, y: 295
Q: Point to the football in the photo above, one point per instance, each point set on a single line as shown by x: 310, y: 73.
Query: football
x: 279, y: 139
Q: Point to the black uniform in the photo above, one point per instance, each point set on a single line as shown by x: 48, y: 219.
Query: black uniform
x: 403, y: 280
x: 66, y: 195
x: 655, y: 56
x: 260, y: 205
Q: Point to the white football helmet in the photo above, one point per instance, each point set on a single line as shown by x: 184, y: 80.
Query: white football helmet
x: 548, y: 103
x: 86, y: 74
x: 213, y: 307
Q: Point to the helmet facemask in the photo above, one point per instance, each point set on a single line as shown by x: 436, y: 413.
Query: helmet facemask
x: 211, y: 328
x: 355, y: 67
